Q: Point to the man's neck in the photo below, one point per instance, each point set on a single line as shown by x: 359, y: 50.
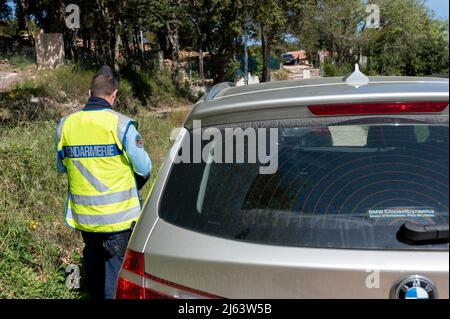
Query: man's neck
x: 95, y: 103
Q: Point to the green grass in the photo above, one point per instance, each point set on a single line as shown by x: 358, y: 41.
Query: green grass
x: 35, y: 244
x: 60, y: 91
x: 156, y: 135
x: 19, y: 61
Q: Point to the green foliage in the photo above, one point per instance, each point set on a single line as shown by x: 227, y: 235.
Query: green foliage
x: 271, y: 14
x: 332, y: 69
x: 233, y: 70
x: 19, y: 61
x: 410, y: 41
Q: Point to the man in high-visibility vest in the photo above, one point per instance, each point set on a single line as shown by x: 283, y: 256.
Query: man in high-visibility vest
x: 104, y: 158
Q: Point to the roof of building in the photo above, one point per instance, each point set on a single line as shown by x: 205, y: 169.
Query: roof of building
x: 301, y: 54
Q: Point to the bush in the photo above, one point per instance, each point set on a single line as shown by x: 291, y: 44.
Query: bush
x: 280, y: 75
x: 330, y: 69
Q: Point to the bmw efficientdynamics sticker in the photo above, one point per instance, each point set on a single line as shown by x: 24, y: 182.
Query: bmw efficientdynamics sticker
x: 414, y: 287
x: 401, y: 213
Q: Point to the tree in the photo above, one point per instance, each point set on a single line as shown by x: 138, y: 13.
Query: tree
x: 195, y: 16
x: 410, y: 41
x: 220, y: 23
x: 302, y: 21
x: 269, y: 16
x: 338, y: 28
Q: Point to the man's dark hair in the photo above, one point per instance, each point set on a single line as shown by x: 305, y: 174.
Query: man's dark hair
x: 103, y: 85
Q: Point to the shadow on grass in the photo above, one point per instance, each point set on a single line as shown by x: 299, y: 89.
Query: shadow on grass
x: 139, y: 83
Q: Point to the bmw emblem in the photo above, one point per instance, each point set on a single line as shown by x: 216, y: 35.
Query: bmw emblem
x: 414, y: 287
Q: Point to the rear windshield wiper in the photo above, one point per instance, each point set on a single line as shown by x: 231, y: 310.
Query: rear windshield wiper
x: 423, y: 234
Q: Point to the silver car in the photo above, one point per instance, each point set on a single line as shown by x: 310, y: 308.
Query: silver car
x: 355, y: 204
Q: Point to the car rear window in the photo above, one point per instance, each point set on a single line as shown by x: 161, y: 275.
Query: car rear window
x: 346, y: 184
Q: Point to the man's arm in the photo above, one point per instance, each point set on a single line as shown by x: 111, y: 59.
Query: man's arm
x: 134, y: 146
x: 59, y: 164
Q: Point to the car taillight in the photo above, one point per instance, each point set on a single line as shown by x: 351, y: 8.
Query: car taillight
x: 378, y: 108
x: 150, y: 287
x: 134, y: 262
x: 134, y: 265
x: 127, y: 289
x: 157, y: 288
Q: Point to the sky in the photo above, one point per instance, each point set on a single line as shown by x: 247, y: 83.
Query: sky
x: 440, y: 7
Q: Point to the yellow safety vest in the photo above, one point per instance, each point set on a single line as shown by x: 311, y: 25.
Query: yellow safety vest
x: 102, y: 195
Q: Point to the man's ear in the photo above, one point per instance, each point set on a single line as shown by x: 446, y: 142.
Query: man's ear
x: 90, y: 95
x: 114, y: 97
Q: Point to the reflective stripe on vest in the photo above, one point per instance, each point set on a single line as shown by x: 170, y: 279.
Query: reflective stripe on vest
x: 99, y: 200
x: 104, y: 219
x: 103, y: 196
x: 122, y: 125
x: 90, y: 177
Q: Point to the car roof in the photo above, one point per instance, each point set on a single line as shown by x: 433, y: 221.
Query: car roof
x: 226, y: 104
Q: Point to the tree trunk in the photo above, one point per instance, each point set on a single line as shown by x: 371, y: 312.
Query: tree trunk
x: 172, y: 34
x: 117, y: 51
x: 246, y: 23
x: 126, y: 44
x: 222, y: 62
x: 116, y: 30
x: 265, y: 54
x: 70, y: 44
x: 201, y: 67
x: 245, y: 59
x: 135, y: 40
x: 22, y: 16
x: 24, y: 22
x: 98, y: 49
x: 111, y: 46
x: 85, y: 43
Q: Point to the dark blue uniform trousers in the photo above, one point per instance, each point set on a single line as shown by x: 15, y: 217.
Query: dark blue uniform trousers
x: 103, y: 256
